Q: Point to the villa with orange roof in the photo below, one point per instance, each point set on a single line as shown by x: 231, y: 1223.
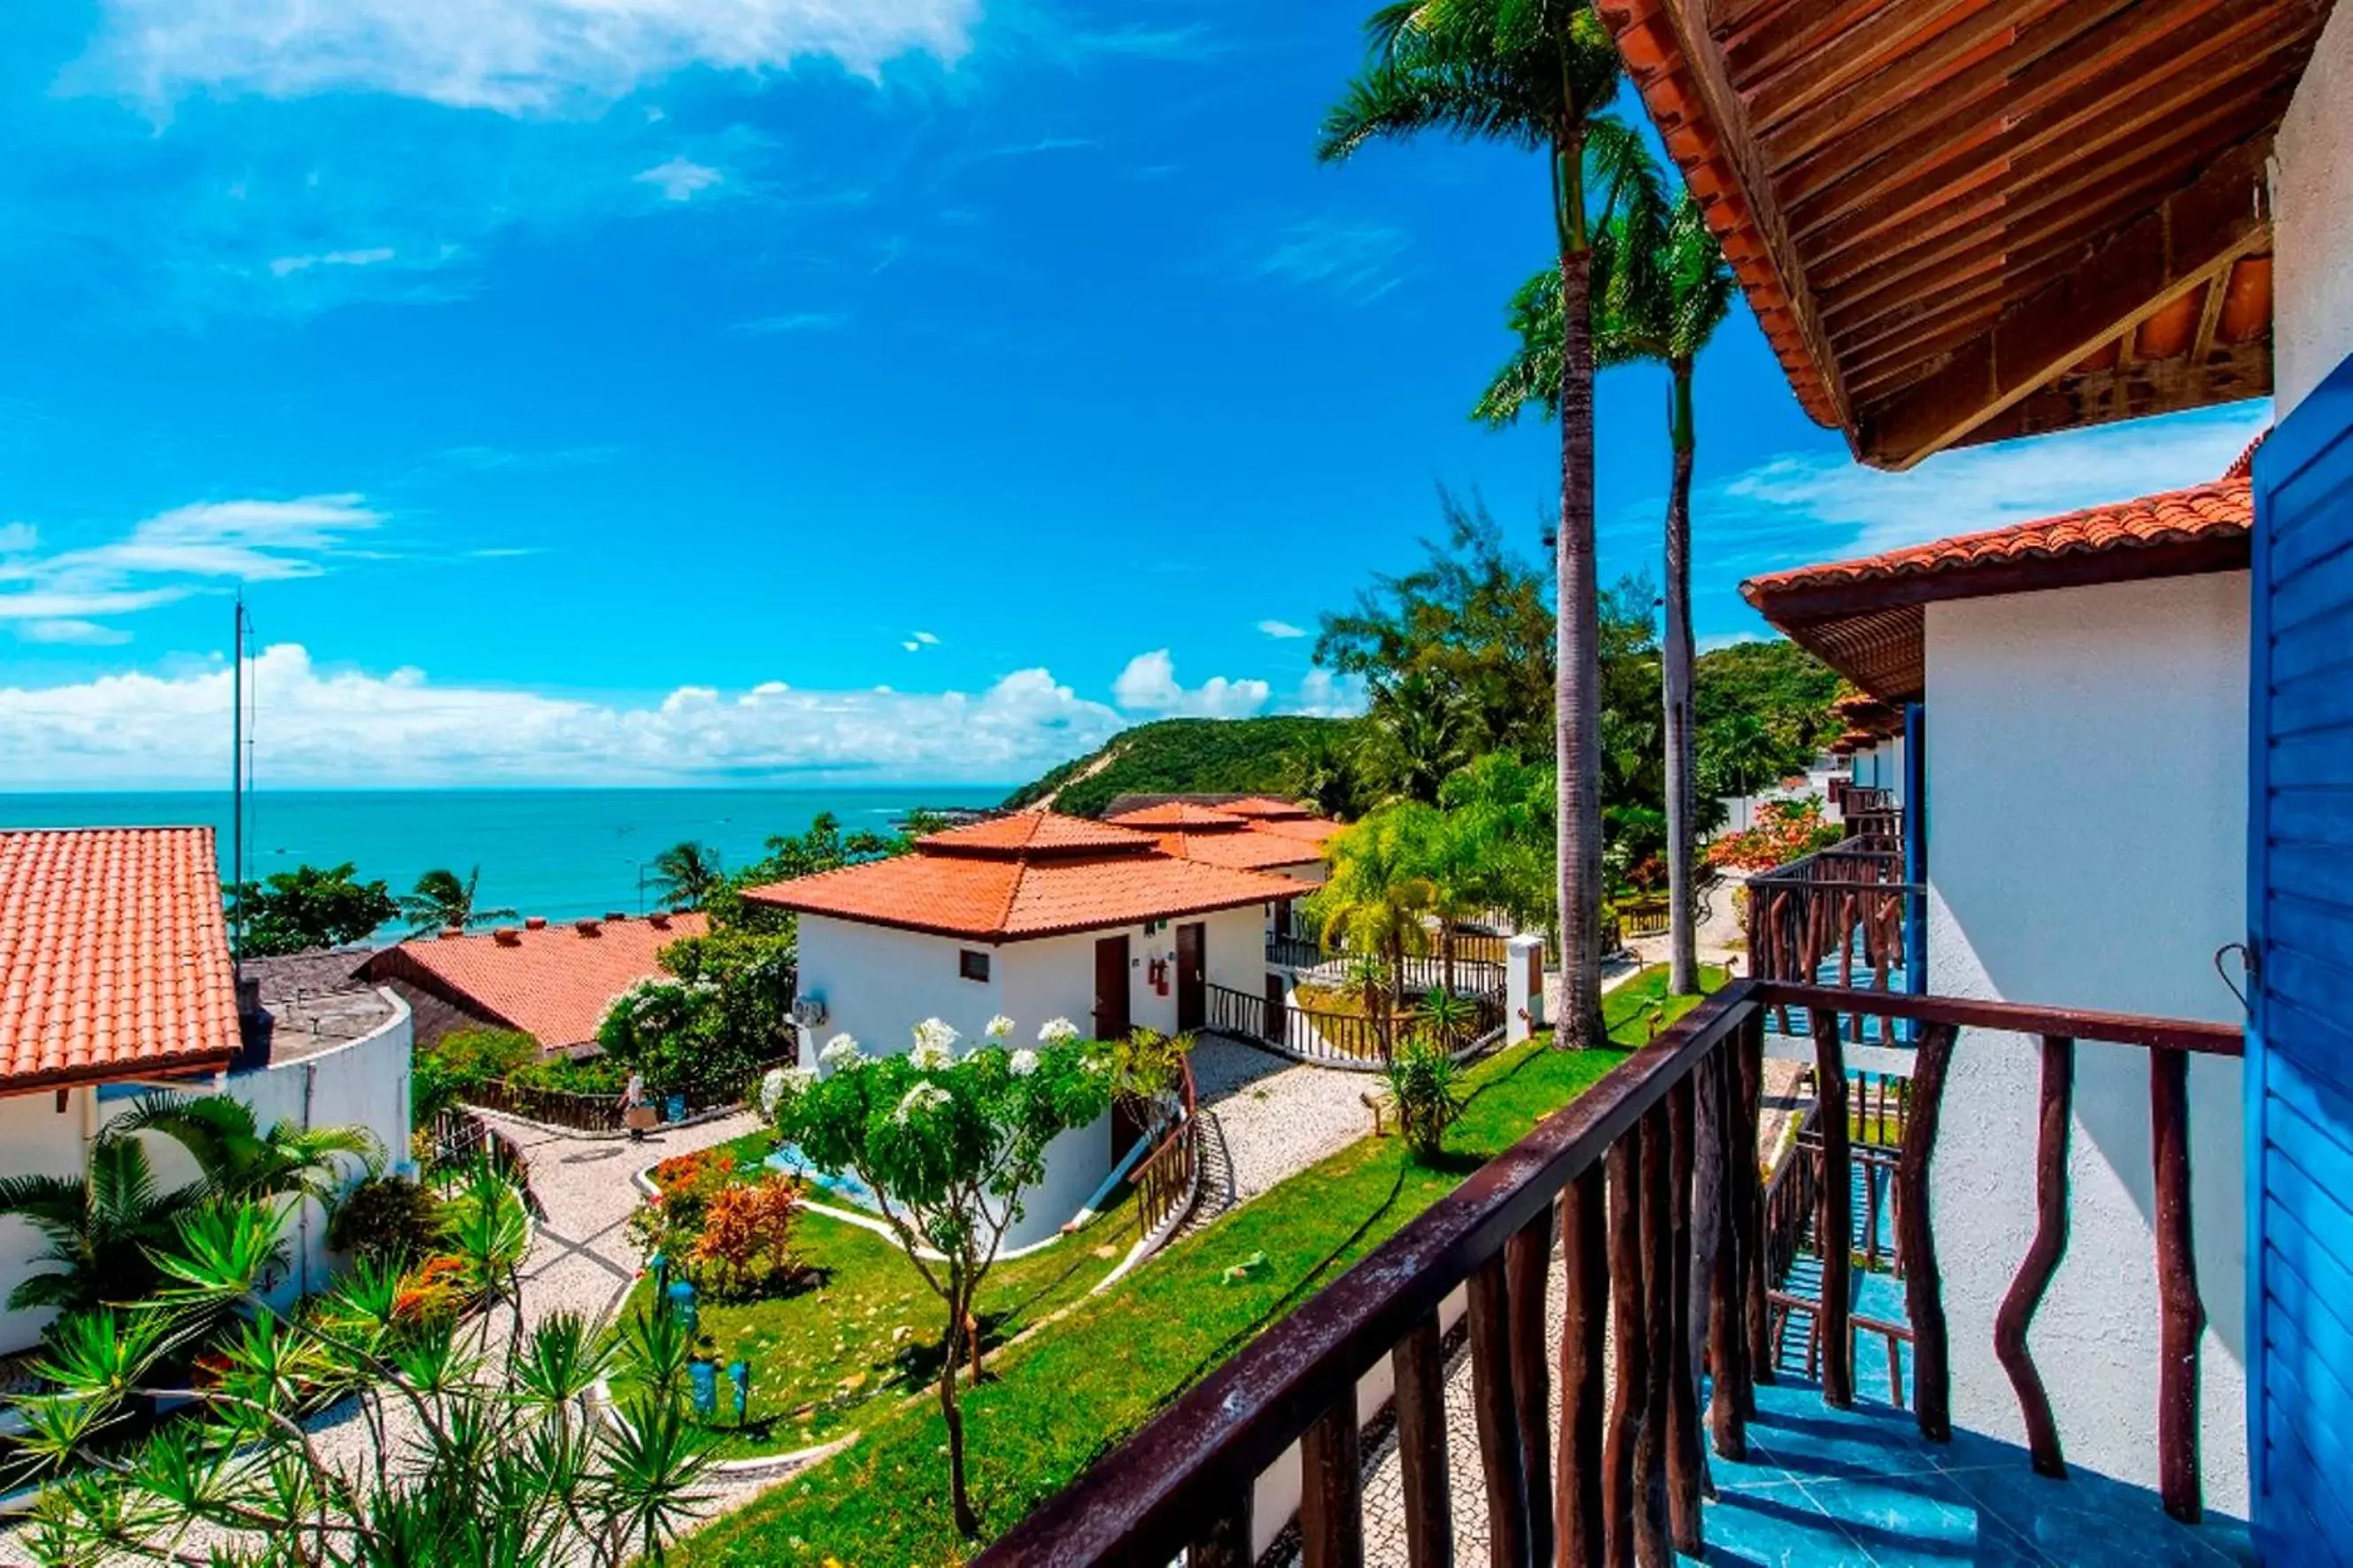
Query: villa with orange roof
x: 1035, y: 916
x: 116, y: 981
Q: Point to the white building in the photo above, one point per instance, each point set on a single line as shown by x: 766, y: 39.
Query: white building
x: 116, y: 982
x: 1034, y: 916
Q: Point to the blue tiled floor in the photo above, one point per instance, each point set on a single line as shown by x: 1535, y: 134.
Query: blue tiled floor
x: 1863, y: 1488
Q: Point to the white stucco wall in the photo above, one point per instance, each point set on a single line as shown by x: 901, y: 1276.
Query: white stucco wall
x: 2312, y: 222
x: 879, y: 982
x: 37, y: 1139
x: 2104, y: 876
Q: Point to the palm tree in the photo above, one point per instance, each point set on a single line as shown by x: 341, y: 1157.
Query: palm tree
x: 239, y: 1159
x: 1456, y: 855
x: 1531, y: 74
x: 99, y: 1227
x: 1374, y: 900
x: 1418, y: 722
x: 441, y: 901
x: 1737, y: 751
x: 1661, y: 290
x: 687, y: 873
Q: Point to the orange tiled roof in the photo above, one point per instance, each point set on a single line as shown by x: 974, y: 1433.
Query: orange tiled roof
x: 1265, y: 807
x: 2215, y: 510
x: 1183, y: 814
x: 1037, y: 832
x: 552, y: 981
x: 1248, y: 850
x: 114, y: 957
x: 1066, y: 880
x: 1307, y: 829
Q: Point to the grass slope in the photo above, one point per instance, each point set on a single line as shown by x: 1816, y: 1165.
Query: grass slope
x: 1178, y: 756
x: 1065, y: 1398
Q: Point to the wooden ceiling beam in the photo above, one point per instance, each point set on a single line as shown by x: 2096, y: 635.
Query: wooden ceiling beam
x: 1753, y: 50
x: 1796, y: 122
x: 2099, y: 96
x: 1897, y: 31
x: 2193, y: 236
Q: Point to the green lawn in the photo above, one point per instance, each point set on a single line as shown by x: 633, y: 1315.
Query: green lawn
x: 1070, y: 1395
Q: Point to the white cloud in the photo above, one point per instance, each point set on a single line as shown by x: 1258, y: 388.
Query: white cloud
x: 1819, y: 505
x: 1148, y: 685
x: 88, y: 633
x: 1325, y: 695
x: 1280, y: 629
x: 514, y: 56
x: 795, y: 321
x: 927, y: 639
x: 173, y: 553
x: 375, y: 255
x: 678, y: 179
x: 1356, y: 261
x: 15, y: 537
x: 324, y: 727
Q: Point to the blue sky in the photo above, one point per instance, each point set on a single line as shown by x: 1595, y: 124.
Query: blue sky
x: 662, y: 390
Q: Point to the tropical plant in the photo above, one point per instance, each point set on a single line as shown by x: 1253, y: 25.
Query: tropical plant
x: 388, y: 1220
x: 1326, y: 774
x: 1738, y: 755
x: 690, y: 1036
x: 1426, y: 1085
x: 1374, y: 900
x: 484, y: 1449
x: 462, y: 1060
x: 442, y: 902
x: 307, y: 908
x: 1784, y: 830
x: 949, y: 1145
x: 1447, y: 1015
x: 685, y: 874
x: 1417, y: 735
x: 99, y: 1229
x: 1660, y: 288
x: 239, y: 1159
x: 1148, y: 1064
x: 1531, y: 74
x: 1512, y: 808
x: 745, y: 1246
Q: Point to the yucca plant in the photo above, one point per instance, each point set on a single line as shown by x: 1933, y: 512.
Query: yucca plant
x: 483, y: 1448
x: 1425, y: 1084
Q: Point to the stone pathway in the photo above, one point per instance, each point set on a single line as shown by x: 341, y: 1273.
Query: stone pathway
x: 1272, y: 1118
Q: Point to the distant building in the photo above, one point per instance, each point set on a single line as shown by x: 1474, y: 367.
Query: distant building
x: 551, y: 981
x: 116, y: 981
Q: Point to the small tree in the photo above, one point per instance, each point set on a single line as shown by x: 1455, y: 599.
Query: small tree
x: 482, y: 1449
x: 948, y: 1144
x: 294, y: 911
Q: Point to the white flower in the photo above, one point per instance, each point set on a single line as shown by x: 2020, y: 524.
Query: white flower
x: 840, y: 1052
x: 999, y: 1027
x: 772, y: 1090
x: 799, y: 1079
x: 1023, y: 1063
x: 919, y: 1098
x: 930, y: 1056
x: 1058, y: 1032
x: 937, y: 1033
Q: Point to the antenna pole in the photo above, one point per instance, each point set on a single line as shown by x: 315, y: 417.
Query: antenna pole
x: 237, y: 782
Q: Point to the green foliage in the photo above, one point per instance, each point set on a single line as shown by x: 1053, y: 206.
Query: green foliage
x: 389, y: 1221
x: 441, y: 901
x: 1148, y: 1064
x: 685, y: 874
x: 1764, y: 712
x: 572, y: 1074
x: 1426, y: 1085
x: 724, y: 1009
x: 294, y: 911
x: 499, y: 1458
x: 462, y: 1060
x: 948, y: 1145
x: 1183, y: 756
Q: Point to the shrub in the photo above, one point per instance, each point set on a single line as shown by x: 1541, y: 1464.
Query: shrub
x: 1426, y: 1086
x: 464, y: 1061
x: 1785, y: 829
x: 745, y: 1248
x: 1147, y: 1064
x: 573, y: 1075
x: 389, y: 1220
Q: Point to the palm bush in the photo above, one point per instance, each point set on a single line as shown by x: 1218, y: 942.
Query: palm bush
x: 1425, y: 1084
x: 483, y: 1447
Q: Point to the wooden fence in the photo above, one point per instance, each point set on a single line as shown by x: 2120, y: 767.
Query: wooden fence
x: 1168, y: 1180
x: 603, y: 1112
x: 1348, y: 1039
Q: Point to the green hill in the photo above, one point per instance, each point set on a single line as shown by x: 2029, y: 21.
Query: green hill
x: 1179, y: 756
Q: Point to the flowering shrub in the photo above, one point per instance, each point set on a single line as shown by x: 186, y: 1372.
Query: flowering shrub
x: 1785, y: 829
x: 745, y: 1248
x: 671, y: 1221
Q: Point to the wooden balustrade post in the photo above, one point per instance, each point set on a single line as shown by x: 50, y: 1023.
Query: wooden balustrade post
x: 1834, y: 1222
x: 1684, y: 1460
x: 2016, y: 1315
x: 1495, y: 1411
x: 1528, y: 1266
x: 1727, y: 1346
x: 1654, y: 1546
x: 2182, y: 1316
x: 1630, y: 1375
x: 1916, y: 1240
x: 1331, y: 1512
x: 1224, y: 1538
x: 1755, y: 1317
x: 1584, y: 1329
x: 1419, y: 1363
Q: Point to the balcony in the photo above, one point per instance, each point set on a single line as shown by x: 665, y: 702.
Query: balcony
x: 1622, y: 1342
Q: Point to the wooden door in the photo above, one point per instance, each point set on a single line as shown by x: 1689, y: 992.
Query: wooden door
x: 2300, y: 934
x: 1192, y: 976
x: 1111, y: 988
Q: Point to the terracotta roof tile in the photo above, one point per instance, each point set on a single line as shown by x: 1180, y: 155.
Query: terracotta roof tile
x: 1037, y: 832
x: 1063, y: 878
x: 114, y: 958
x: 1248, y: 850
x: 1265, y: 807
x: 1307, y: 829
x: 2212, y: 510
x: 554, y: 982
x: 1182, y: 813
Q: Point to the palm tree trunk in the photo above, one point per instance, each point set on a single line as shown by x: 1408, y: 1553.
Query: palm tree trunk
x: 1675, y: 666
x: 1576, y: 698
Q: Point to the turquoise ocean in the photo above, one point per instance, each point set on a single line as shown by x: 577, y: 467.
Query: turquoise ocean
x: 562, y: 853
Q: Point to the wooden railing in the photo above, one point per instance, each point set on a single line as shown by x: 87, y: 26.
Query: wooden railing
x: 1347, y: 1039
x: 1169, y: 1178
x: 1840, y: 915
x: 602, y: 1112
x: 1646, y: 1184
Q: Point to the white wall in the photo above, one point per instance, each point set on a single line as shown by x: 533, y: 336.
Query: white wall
x: 35, y: 1139
x: 2104, y: 877
x: 2311, y: 205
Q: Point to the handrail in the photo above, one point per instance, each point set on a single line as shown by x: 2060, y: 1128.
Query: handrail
x: 1685, y: 1104
x: 1168, y: 1178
